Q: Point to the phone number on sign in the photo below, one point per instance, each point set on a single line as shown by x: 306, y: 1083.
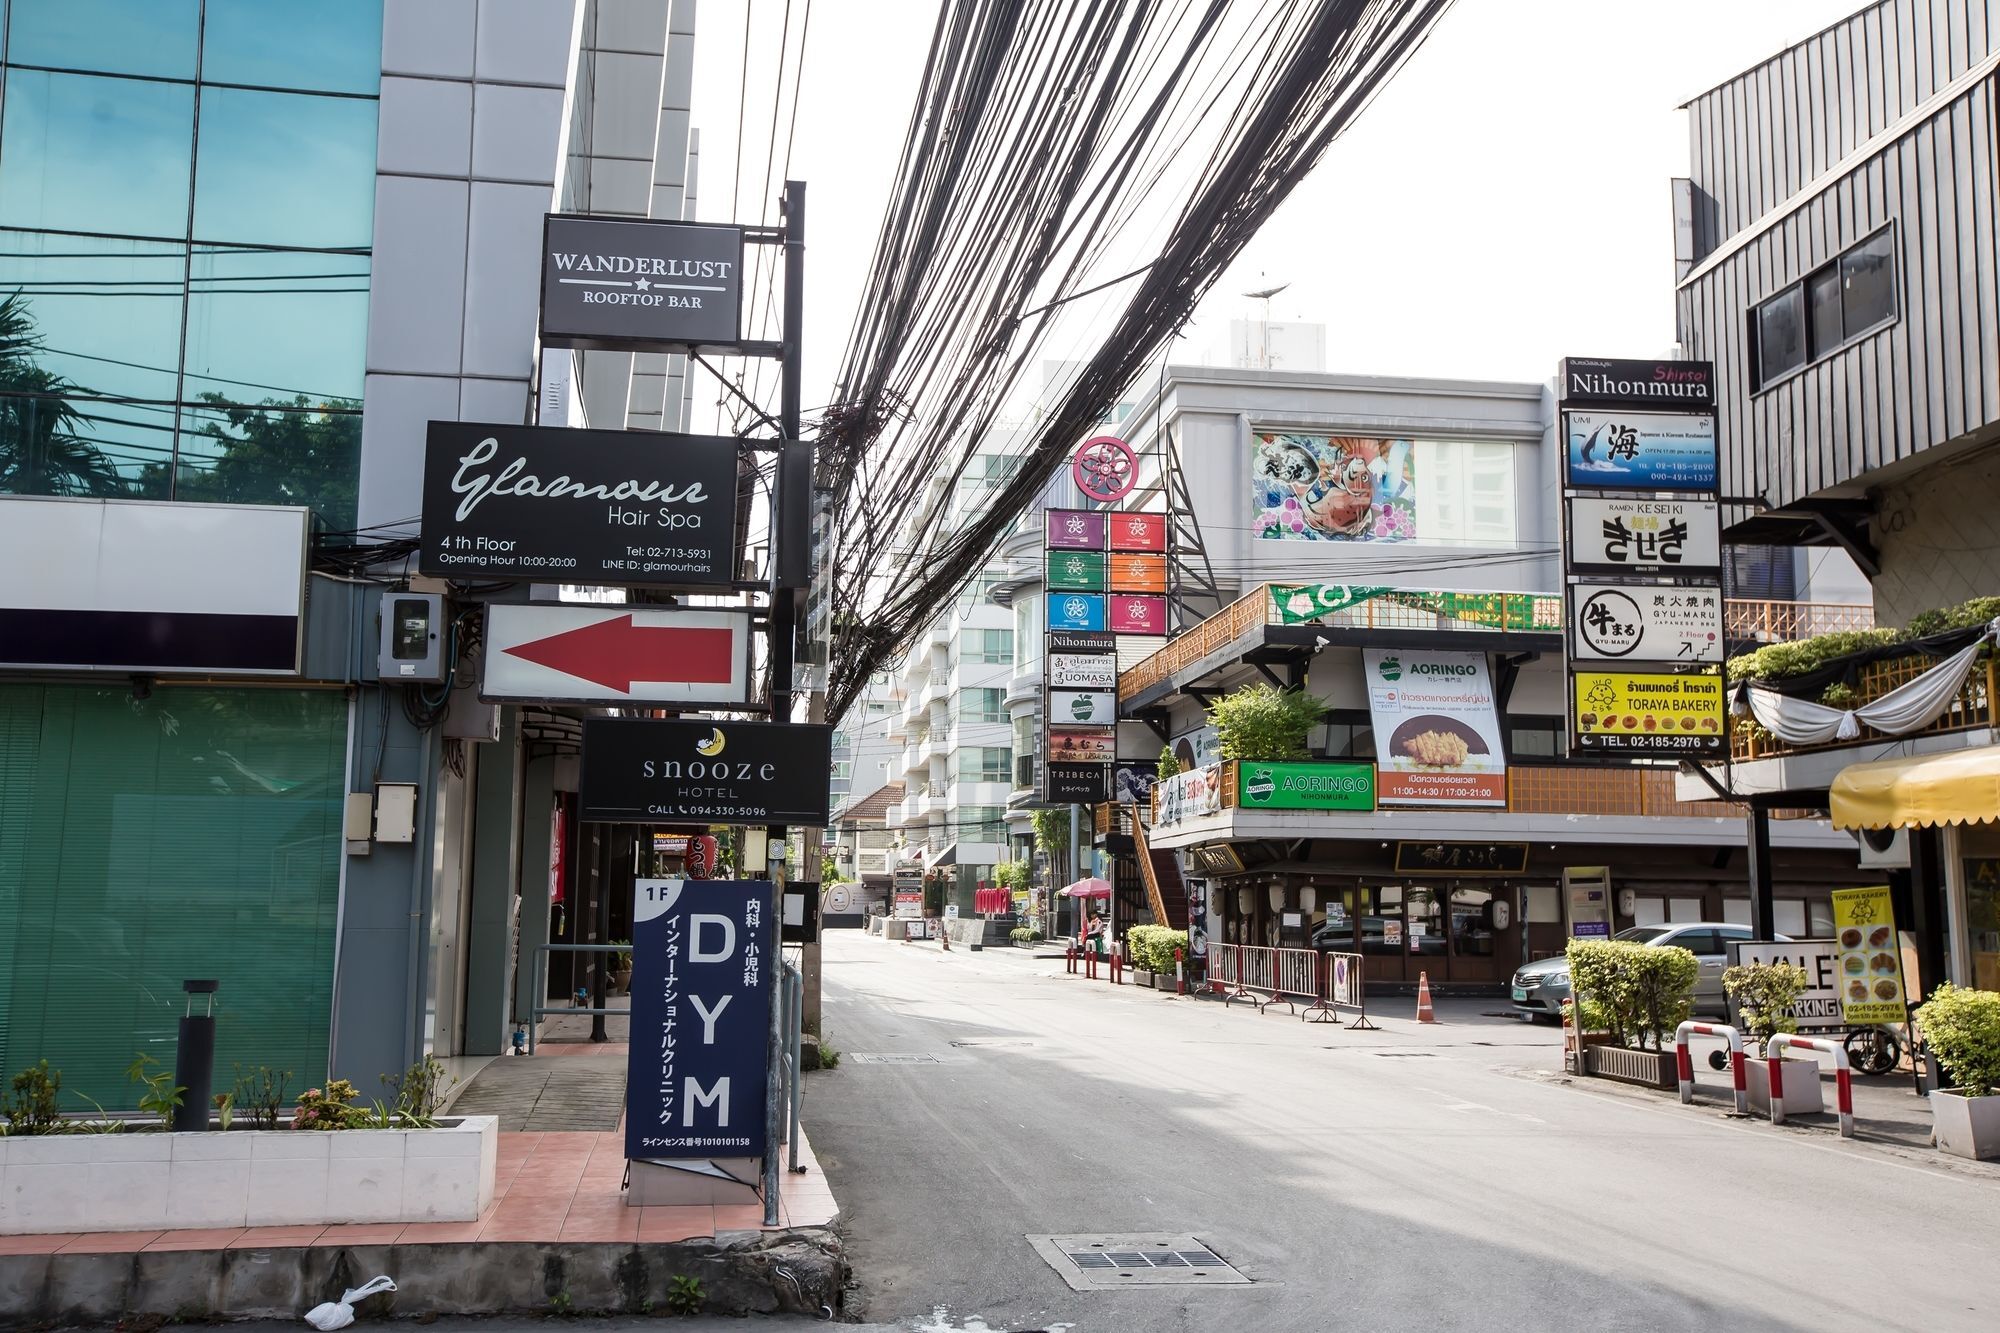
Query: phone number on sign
x: 1657, y: 740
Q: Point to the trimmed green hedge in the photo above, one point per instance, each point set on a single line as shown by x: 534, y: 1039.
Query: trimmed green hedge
x: 1776, y: 661
x: 1639, y: 993
x: 1151, y: 948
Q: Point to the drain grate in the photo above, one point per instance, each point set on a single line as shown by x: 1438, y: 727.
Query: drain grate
x: 890, y: 1058
x: 1095, y: 1262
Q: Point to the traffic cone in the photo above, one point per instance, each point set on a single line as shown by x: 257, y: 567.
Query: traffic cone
x: 1424, y: 1014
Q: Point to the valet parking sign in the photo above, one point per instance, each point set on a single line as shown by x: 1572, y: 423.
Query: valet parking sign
x: 701, y: 1010
x: 1641, y: 482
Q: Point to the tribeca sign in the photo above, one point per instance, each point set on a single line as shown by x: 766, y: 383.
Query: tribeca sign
x: 617, y: 283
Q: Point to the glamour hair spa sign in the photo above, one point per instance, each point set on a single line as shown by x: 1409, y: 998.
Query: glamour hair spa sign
x: 606, y: 507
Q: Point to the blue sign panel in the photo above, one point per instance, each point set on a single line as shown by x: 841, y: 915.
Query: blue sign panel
x: 702, y: 950
x: 1641, y: 451
x: 1076, y: 610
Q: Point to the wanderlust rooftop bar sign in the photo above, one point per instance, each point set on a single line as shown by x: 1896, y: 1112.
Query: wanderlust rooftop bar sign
x: 599, y: 507
x: 626, y: 284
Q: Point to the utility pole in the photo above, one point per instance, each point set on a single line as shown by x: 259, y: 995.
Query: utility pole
x: 791, y: 496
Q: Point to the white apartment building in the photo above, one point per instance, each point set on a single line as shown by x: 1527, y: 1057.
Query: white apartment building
x: 956, y: 745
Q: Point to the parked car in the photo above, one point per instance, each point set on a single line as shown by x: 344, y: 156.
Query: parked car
x: 1540, y: 988
x: 1337, y: 936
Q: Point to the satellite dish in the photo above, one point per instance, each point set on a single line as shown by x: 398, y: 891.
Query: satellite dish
x: 1268, y: 292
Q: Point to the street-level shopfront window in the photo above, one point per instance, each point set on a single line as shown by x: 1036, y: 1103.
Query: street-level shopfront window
x: 1979, y: 851
x: 192, y: 834
x: 186, y: 226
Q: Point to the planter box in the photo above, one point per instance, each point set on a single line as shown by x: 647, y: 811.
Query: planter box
x: 1141, y: 977
x: 1648, y: 1069
x: 1966, y: 1126
x: 144, y: 1180
x: 1166, y: 981
x: 1802, y: 1091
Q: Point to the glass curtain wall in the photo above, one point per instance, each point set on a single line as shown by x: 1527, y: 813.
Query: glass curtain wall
x: 192, y: 834
x: 186, y: 211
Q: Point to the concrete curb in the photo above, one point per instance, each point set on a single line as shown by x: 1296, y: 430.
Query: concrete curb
x: 744, y: 1272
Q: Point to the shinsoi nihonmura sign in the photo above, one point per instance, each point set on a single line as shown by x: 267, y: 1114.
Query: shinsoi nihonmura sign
x: 702, y: 951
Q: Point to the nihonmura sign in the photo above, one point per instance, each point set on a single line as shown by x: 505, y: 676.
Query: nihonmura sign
x: 702, y: 951
x: 593, y: 507
x: 1687, y: 386
x: 626, y: 284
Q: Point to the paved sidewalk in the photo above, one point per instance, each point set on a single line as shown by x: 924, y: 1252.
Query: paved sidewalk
x: 570, y: 1083
x: 550, y: 1187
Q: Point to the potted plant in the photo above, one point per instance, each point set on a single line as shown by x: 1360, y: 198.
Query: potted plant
x: 1764, y: 995
x: 621, y: 967
x: 1639, y: 995
x: 1962, y: 1028
x: 1263, y: 722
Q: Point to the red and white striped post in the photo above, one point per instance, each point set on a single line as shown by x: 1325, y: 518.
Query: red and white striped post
x: 1684, y: 1061
x: 1843, y: 1077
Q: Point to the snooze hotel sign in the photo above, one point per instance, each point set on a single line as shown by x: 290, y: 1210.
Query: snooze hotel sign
x: 624, y: 284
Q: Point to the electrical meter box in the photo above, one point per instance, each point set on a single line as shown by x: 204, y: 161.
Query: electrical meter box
x: 412, y: 638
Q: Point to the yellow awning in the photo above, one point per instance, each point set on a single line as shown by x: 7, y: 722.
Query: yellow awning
x: 1956, y: 787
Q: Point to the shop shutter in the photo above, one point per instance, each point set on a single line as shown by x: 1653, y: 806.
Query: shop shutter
x: 193, y: 834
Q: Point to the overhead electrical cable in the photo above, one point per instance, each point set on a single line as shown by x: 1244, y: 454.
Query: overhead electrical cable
x: 1049, y: 141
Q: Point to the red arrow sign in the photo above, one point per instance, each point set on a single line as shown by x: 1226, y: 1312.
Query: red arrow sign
x: 615, y: 653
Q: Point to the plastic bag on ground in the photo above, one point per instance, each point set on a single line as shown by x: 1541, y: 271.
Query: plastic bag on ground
x: 340, y: 1313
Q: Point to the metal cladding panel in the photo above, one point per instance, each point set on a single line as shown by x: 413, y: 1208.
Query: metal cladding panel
x: 1764, y: 135
x: 1929, y: 377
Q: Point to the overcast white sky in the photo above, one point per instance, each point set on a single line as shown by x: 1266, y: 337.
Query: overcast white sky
x: 1503, y: 203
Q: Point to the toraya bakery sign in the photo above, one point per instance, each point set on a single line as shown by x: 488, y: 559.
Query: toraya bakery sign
x: 619, y: 283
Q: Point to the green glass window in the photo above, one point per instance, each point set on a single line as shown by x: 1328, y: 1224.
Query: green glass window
x: 193, y: 834
x: 982, y: 705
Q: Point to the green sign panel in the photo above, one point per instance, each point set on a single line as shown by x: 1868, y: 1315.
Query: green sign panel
x: 1296, y: 603
x: 1305, y: 786
x: 1082, y: 571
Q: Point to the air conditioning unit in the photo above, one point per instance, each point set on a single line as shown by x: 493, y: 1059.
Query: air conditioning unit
x: 1884, y: 848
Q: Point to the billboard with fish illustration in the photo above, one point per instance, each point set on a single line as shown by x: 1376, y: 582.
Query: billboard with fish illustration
x: 1333, y: 488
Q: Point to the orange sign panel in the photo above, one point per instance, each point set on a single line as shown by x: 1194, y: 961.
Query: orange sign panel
x: 1138, y: 573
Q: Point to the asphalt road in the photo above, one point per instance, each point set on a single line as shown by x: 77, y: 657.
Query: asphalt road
x: 1414, y: 1178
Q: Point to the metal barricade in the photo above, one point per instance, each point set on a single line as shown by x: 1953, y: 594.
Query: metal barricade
x: 1341, y: 975
x: 1259, y: 975
x: 1225, y: 971
x: 541, y: 1006
x: 1296, y: 977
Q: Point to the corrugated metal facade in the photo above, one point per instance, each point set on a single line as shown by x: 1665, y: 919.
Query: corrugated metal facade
x: 1931, y: 376
x: 1764, y: 135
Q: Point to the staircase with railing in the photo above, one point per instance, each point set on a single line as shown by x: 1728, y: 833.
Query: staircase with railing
x: 1166, y: 892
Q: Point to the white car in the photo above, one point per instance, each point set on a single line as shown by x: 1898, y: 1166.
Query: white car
x: 1540, y: 988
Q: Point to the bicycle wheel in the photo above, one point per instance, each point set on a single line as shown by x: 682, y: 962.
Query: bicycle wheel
x: 1872, y: 1050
